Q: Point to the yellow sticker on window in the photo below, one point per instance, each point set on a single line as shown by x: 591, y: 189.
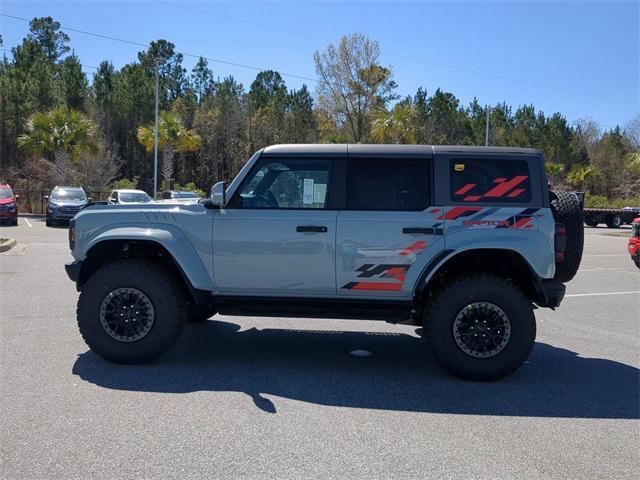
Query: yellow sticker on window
x: 459, y: 167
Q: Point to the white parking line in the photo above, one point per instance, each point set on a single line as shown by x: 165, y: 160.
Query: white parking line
x: 607, y: 255
x: 602, y: 293
x: 28, y: 222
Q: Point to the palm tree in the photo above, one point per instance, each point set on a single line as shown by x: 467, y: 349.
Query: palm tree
x: 395, y: 126
x: 63, y: 133
x: 172, y: 137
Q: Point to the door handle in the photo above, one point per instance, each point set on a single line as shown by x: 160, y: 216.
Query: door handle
x: 422, y: 230
x: 311, y: 228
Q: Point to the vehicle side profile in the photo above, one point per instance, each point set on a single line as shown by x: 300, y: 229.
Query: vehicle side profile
x: 633, y: 247
x: 128, y: 196
x: 465, y: 241
x: 64, y: 203
x: 8, y: 205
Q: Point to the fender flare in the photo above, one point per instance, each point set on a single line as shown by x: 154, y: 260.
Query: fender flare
x: 448, y: 254
x: 167, y: 236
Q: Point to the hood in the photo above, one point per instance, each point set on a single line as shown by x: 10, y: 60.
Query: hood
x: 4, y: 201
x: 68, y: 203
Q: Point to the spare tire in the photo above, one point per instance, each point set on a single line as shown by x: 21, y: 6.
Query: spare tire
x: 566, y: 210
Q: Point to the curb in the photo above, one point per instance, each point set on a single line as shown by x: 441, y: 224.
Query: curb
x: 8, y: 245
x: 35, y: 215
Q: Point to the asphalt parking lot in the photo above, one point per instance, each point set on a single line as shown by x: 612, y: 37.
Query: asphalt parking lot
x: 243, y: 397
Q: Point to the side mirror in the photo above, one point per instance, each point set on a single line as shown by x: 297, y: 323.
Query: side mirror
x: 89, y: 200
x: 17, y: 197
x: 46, y: 197
x: 218, y: 194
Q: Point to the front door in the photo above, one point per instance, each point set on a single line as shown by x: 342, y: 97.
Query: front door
x: 276, y: 236
x: 389, y: 231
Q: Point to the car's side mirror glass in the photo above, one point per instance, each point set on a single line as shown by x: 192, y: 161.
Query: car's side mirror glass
x: 218, y: 194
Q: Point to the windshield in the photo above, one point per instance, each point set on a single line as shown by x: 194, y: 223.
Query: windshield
x: 186, y: 195
x: 137, y: 197
x: 6, y: 193
x: 68, y: 195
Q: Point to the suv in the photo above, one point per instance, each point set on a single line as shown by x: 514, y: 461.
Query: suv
x: 465, y: 241
x: 64, y: 203
x: 8, y: 204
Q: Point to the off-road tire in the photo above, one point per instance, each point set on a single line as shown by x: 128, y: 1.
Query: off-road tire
x: 442, y: 309
x: 566, y: 210
x: 614, y: 221
x: 199, y: 313
x: 165, y: 294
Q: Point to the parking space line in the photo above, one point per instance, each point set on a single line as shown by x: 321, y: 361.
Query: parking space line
x: 607, y: 255
x: 601, y: 293
x: 28, y: 222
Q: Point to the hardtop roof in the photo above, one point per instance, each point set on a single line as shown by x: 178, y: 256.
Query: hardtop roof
x: 377, y: 149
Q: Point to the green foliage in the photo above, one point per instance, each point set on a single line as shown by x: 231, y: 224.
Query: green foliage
x: 190, y: 187
x: 59, y: 130
x: 213, y: 126
x: 126, y: 183
x: 600, y: 201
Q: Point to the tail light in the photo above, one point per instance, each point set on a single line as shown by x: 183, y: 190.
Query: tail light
x: 560, y: 241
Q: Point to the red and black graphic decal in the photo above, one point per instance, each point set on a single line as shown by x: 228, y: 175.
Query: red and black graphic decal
x: 521, y: 220
x: 394, y: 273
x: 458, y: 212
x: 505, y: 188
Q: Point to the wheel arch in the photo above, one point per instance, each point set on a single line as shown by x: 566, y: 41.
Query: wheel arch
x: 111, y: 249
x: 506, y: 263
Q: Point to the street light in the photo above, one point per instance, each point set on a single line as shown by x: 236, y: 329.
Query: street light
x: 155, y: 135
x: 486, y: 128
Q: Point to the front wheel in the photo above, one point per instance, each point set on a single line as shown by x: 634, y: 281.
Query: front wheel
x: 480, y: 327
x: 131, y: 311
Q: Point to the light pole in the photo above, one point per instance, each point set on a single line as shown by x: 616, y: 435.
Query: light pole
x: 155, y: 137
x: 486, y: 128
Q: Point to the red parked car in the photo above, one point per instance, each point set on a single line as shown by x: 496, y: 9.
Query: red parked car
x: 633, y: 247
x: 8, y: 205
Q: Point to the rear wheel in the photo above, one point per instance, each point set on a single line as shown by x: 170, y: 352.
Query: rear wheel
x: 591, y: 223
x: 614, y: 221
x: 566, y: 210
x: 131, y: 311
x: 480, y: 327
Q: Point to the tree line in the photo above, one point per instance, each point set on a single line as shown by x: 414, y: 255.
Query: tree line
x: 57, y: 127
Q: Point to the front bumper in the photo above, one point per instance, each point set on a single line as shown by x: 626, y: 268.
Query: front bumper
x: 549, y: 293
x: 73, y: 270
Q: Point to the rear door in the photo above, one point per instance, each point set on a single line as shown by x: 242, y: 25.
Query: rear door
x: 276, y: 236
x: 389, y: 230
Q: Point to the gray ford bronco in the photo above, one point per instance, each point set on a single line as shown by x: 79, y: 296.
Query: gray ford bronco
x: 466, y: 241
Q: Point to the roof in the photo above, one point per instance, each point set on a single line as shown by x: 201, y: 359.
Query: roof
x: 128, y: 190
x: 332, y: 149
x: 62, y: 187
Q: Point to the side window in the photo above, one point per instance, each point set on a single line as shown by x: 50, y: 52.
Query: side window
x: 489, y: 180
x: 287, y: 183
x: 387, y: 184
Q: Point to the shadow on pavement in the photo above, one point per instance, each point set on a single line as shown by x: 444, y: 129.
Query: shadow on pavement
x: 315, y: 366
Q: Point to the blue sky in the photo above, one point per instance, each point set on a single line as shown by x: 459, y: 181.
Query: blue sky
x: 565, y: 55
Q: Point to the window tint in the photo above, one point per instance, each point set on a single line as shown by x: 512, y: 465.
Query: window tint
x: 285, y: 184
x: 487, y: 180
x: 387, y: 184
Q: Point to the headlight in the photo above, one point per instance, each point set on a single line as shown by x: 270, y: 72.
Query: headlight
x: 52, y: 206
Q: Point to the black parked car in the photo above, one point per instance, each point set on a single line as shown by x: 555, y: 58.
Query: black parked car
x: 64, y: 203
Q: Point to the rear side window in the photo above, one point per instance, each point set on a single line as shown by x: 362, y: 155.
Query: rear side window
x: 490, y: 181
x: 387, y: 184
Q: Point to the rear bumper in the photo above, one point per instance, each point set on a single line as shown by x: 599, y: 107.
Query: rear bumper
x: 73, y: 270
x: 549, y: 293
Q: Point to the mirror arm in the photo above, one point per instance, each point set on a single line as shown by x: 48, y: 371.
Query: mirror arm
x: 208, y: 203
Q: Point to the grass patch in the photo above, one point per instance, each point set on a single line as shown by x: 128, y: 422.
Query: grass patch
x: 2, y: 240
